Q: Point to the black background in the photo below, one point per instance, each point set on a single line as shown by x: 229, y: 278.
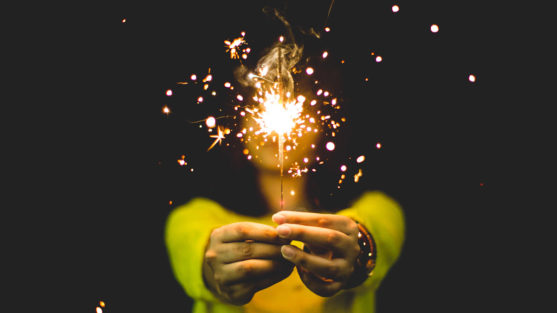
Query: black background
x: 99, y: 157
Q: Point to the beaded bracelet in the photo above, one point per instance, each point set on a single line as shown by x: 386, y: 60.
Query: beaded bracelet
x: 365, y: 262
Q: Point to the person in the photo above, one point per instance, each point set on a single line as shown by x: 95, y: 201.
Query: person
x: 295, y: 260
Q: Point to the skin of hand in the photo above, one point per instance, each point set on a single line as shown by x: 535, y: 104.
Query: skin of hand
x: 333, y: 248
x: 243, y: 258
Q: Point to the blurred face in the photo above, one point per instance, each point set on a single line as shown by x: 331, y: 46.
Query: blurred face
x: 265, y: 150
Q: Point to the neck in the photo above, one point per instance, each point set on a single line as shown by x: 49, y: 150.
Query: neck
x: 293, y: 191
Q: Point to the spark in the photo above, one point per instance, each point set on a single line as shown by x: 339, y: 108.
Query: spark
x: 218, y: 137
x: 234, y: 45
x: 210, y: 122
x: 166, y: 110
x: 358, y: 175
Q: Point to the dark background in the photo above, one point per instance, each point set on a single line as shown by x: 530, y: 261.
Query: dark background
x: 463, y: 159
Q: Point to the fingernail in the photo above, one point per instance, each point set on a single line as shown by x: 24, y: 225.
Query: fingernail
x: 287, y: 252
x: 283, y: 230
x: 278, y: 218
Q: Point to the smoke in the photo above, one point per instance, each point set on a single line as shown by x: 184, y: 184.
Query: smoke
x: 275, y: 67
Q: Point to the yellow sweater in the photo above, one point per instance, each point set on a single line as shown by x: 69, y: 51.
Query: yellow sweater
x: 189, y: 226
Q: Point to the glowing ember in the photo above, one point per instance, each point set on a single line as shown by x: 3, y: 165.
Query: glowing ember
x: 165, y: 110
x: 327, y: 29
x: 234, y: 45
x: 358, y: 175
x: 218, y: 137
x: 210, y: 122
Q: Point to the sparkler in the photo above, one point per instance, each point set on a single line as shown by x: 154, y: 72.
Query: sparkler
x: 279, y: 113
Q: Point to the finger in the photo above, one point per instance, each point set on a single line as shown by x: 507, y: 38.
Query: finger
x: 335, y: 269
x: 238, y: 294
x: 240, y: 251
x: 318, y: 286
x: 246, y: 271
x: 333, y: 221
x: 275, y: 277
x: 242, y: 231
x: 317, y: 236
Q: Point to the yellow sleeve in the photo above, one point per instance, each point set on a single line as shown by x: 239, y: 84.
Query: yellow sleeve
x: 187, y: 231
x: 384, y: 219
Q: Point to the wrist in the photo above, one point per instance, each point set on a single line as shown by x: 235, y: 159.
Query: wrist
x: 365, y: 261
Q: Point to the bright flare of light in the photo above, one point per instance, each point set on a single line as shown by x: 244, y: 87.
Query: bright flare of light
x: 278, y: 118
x: 325, y: 54
x: 309, y: 70
x: 395, y: 8
x: 378, y: 145
x: 378, y: 59
x: 330, y: 146
x: 434, y: 28
x: 169, y: 92
x: 361, y: 158
x: 210, y: 122
x: 99, y: 310
x: 343, y: 168
x: 472, y: 78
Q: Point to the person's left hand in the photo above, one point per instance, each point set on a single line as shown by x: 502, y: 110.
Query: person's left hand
x: 332, y: 242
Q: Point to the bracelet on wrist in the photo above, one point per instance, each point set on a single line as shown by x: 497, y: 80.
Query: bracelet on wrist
x: 365, y: 262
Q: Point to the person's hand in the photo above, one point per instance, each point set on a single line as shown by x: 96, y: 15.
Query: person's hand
x: 243, y: 258
x: 330, y: 248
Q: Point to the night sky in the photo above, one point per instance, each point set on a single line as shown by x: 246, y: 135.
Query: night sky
x: 456, y: 154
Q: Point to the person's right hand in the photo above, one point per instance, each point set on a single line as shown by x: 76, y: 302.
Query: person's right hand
x: 243, y: 258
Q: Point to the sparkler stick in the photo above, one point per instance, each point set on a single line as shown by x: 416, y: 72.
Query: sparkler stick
x: 281, y: 136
